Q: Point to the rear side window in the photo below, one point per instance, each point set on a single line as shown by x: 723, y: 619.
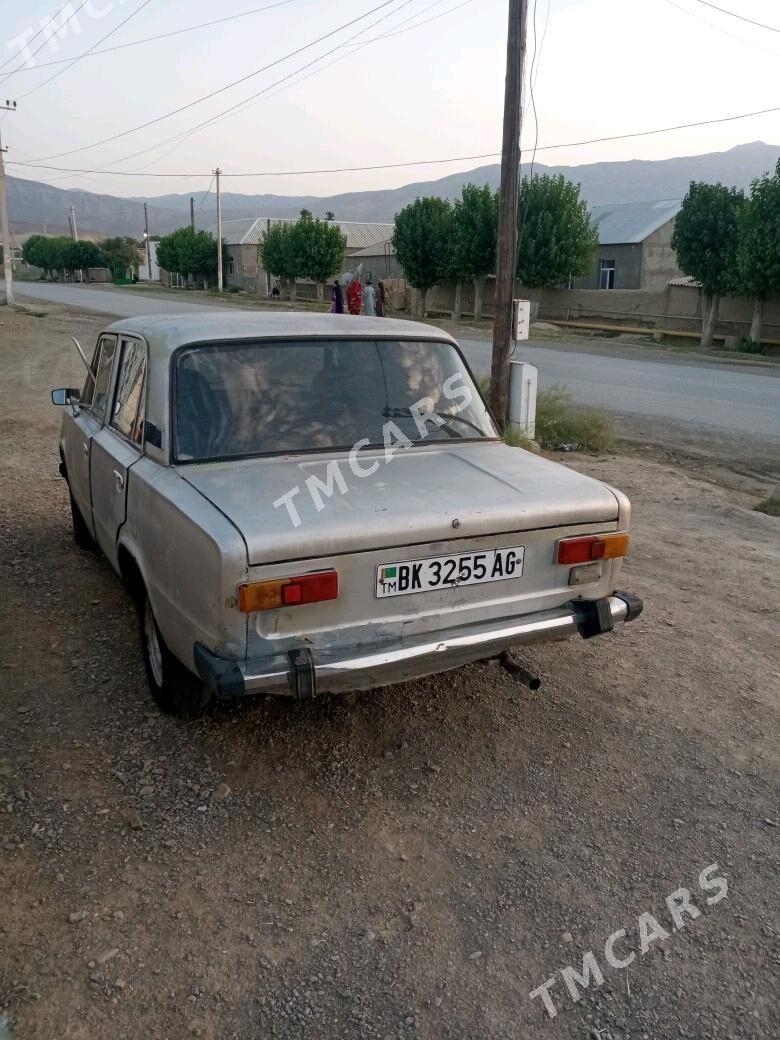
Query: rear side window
x: 128, y: 413
x: 103, y: 376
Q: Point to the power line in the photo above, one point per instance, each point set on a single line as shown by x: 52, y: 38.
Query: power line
x: 720, y: 29
x: 163, y: 36
x: 741, y: 17
x: 246, y: 102
x: 416, y: 162
x: 78, y: 58
x: 220, y: 90
x: 43, y: 28
x: 44, y: 25
x: 180, y: 138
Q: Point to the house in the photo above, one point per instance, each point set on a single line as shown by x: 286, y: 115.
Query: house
x: 242, y: 238
x: 635, y: 246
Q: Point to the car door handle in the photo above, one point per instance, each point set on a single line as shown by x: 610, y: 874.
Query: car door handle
x: 120, y: 480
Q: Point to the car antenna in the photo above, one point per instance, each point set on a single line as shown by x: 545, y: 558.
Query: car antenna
x: 82, y: 356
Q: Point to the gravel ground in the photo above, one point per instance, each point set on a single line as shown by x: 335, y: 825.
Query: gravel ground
x: 408, y: 863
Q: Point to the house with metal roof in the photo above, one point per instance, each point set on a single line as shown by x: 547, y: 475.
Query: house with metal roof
x: 242, y: 237
x: 635, y: 246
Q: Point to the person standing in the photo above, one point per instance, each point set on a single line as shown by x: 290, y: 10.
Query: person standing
x: 354, y: 296
x: 369, y: 300
x: 336, y: 298
x: 381, y: 305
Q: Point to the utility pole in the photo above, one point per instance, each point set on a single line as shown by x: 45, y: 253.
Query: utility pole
x: 192, y: 212
x: 217, y: 175
x: 146, y: 241
x: 5, y: 227
x: 507, y: 214
x: 73, y: 229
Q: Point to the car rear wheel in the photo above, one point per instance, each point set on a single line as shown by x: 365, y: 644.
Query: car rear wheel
x: 175, y: 690
x: 81, y: 533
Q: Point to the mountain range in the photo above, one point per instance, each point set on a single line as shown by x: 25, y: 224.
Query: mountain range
x: 33, y: 204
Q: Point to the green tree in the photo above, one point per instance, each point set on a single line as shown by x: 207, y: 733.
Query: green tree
x: 557, y: 240
x: 121, y: 255
x: 422, y: 241
x: 190, y: 253
x: 758, y: 249
x: 706, y: 239
x: 330, y: 215
x: 473, y: 243
x: 36, y: 253
x: 320, y: 248
x: 278, y: 253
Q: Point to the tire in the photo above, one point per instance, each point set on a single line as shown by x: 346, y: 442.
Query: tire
x: 81, y: 533
x: 175, y: 690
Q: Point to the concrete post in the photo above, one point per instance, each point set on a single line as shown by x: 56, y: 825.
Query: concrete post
x: 523, y: 380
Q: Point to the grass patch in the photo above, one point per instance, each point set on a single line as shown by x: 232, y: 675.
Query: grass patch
x: 770, y: 506
x: 559, y: 422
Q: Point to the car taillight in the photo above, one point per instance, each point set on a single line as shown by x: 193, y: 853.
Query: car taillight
x: 288, y: 592
x: 592, y: 547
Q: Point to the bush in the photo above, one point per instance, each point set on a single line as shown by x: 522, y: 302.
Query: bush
x: 560, y: 422
x: 770, y: 506
x: 750, y: 346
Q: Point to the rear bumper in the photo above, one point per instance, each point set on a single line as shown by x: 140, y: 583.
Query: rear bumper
x: 304, y: 672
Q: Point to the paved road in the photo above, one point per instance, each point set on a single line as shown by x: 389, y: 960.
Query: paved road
x: 676, y: 403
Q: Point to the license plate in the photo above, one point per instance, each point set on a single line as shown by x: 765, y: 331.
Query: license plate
x: 440, y: 572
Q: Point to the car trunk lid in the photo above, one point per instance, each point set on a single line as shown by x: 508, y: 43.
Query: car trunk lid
x: 428, y: 494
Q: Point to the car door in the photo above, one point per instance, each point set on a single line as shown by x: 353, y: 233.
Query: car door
x: 80, y: 429
x: 118, y: 445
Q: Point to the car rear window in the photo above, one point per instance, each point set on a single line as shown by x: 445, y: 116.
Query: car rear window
x: 236, y: 400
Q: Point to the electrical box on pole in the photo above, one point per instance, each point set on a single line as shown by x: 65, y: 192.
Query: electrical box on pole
x: 521, y: 320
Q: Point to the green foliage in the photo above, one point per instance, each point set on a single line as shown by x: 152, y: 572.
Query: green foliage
x: 557, y: 239
x: 706, y: 236
x: 758, y: 250
x: 770, y: 506
x: 121, y: 253
x: 62, y: 254
x: 422, y: 242
x: 559, y: 422
x: 188, y: 252
x: 308, y: 248
x: 474, y: 231
x: 750, y: 346
x: 320, y: 248
x: 279, y: 251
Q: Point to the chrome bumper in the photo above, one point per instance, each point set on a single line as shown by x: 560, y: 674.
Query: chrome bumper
x: 304, y: 672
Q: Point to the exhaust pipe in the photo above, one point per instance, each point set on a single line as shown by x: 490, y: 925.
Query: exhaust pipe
x: 533, y: 682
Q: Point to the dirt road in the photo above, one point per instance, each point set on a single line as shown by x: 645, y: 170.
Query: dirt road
x: 409, y: 863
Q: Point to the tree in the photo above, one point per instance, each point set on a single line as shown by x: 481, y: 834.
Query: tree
x: 120, y: 254
x: 278, y: 253
x: 758, y: 249
x: 190, y: 253
x: 422, y: 242
x: 36, y: 253
x: 330, y: 215
x: 473, y: 243
x: 306, y: 214
x: 320, y: 249
x: 706, y: 240
x: 557, y: 240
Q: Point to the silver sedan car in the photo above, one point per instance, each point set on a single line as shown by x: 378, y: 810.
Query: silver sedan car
x: 309, y: 503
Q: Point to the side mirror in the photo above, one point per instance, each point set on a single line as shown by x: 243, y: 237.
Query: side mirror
x: 65, y: 396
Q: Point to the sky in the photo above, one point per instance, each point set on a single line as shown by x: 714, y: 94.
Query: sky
x: 423, y: 80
